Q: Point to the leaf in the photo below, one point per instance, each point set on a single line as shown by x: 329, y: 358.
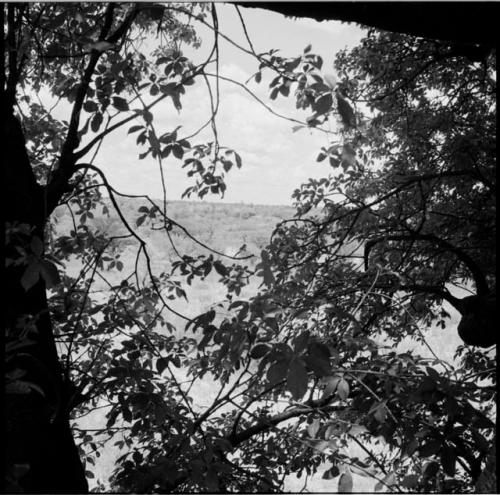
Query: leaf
x: 346, y: 112
x: 381, y: 413
x: 161, y: 364
x: 334, y: 162
x: 120, y: 103
x: 259, y: 351
x: 140, y: 220
x: 331, y: 473
x: 100, y: 46
x: 411, y: 447
x: 30, y: 276
x: 135, y: 128
x: 147, y: 116
x: 410, y: 481
x: 348, y: 155
x: 301, y: 341
x: 49, y: 273
x: 321, y: 157
x: 277, y: 372
x: 307, y: 49
x: 388, y: 481
x: 430, y: 448
x: 297, y: 379
x: 313, y: 428
x: 220, y: 268
x: 430, y: 469
x: 323, y: 104
x: 331, y: 385
x: 362, y: 469
x: 36, y: 246
x: 356, y: 430
x: 90, y: 106
x: 177, y: 151
x: 343, y: 389
x: 345, y: 482
x: 448, y: 460
x: 330, y: 80
x: 433, y: 374
x: 89, y: 474
x: 96, y: 121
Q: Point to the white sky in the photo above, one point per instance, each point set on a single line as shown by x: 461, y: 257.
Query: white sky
x: 275, y: 159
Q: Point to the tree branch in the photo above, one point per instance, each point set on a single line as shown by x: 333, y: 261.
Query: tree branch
x: 236, y: 438
x: 477, y: 274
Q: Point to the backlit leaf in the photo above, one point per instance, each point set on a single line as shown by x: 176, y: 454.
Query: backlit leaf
x: 313, y: 428
x: 345, y: 482
x: 343, y: 389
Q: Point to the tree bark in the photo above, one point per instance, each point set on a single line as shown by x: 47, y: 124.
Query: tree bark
x: 41, y: 455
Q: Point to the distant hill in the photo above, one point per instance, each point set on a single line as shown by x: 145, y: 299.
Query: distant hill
x: 223, y: 226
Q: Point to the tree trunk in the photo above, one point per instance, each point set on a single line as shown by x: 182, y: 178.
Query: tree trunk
x: 41, y: 455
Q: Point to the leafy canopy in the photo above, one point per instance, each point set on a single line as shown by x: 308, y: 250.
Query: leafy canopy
x: 307, y: 366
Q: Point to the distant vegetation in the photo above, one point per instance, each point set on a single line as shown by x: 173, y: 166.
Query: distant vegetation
x: 223, y: 227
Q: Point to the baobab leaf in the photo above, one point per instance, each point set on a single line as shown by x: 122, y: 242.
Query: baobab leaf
x: 49, y: 273
x: 346, y: 112
x: 343, y: 389
x: 120, y: 103
x: 277, y: 372
x: 36, y: 246
x: 259, y: 351
x: 313, y: 428
x: 135, y: 128
x: 96, y: 121
x: 345, y: 483
x: 410, y: 481
x: 430, y: 448
x: 331, y: 383
x: 430, y: 469
x: 297, y: 379
x: 161, y: 364
x: 90, y: 106
x: 323, y: 104
x: 330, y: 80
x: 101, y: 46
x: 448, y: 460
x: 30, y: 276
x: 386, y: 482
x: 330, y: 474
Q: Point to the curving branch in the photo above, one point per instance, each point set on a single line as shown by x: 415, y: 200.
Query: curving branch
x: 476, y: 272
x: 265, y: 424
